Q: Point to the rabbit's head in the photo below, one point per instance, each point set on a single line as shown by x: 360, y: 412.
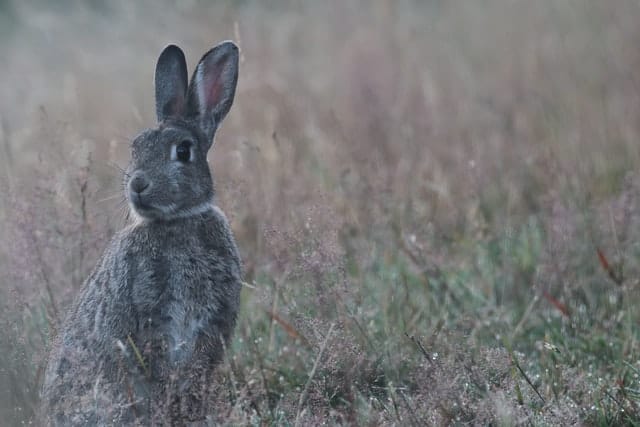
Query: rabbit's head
x: 168, y: 176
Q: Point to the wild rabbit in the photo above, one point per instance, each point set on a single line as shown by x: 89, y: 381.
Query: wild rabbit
x: 151, y: 321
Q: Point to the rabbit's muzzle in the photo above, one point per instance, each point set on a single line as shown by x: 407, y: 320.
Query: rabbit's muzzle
x: 139, y: 183
x: 140, y: 191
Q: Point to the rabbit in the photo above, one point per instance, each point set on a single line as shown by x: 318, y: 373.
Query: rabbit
x: 151, y: 322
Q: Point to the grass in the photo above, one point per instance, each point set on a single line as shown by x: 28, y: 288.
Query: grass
x: 438, y: 204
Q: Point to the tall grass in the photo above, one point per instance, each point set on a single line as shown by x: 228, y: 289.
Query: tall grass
x: 437, y: 203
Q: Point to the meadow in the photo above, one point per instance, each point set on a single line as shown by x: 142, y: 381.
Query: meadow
x: 437, y: 202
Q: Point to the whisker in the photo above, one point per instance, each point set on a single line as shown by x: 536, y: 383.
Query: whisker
x: 117, y: 167
x: 119, y: 213
x: 112, y: 197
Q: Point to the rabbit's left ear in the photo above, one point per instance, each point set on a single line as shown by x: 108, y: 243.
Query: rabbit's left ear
x: 171, y: 83
x: 213, y: 87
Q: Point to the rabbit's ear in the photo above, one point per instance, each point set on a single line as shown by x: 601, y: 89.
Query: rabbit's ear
x: 171, y: 83
x: 213, y: 86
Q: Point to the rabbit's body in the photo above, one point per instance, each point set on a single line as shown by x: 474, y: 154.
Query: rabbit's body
x: 151, y: 290
x: 152, y: 320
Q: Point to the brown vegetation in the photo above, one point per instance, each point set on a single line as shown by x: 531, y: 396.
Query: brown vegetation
x: 437, y: 202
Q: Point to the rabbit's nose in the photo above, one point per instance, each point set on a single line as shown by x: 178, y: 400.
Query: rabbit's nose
x: 138, y: 183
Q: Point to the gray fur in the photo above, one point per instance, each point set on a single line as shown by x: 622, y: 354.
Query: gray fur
x: 171, y: 81
x: 167, y: 288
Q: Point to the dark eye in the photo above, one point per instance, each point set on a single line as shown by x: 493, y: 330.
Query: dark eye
x: 183, y: 151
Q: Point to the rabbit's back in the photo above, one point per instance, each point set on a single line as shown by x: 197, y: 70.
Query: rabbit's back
x: 159, y: 306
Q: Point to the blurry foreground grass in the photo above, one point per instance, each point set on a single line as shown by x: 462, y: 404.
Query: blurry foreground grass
x: 438, y: 203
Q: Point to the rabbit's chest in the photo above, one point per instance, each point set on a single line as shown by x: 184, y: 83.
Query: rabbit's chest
x: 175, y: 297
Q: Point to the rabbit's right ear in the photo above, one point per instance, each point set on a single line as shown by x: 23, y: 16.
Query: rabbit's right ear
x: 171, y: 82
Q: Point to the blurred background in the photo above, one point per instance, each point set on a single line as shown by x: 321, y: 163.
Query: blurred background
x: 437, y: 202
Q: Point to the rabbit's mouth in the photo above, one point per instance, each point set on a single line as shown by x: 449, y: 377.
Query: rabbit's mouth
x: 144, y: 208
x: 150, y: 211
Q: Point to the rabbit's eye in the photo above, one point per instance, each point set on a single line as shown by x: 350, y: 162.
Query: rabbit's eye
x: 183, y: 151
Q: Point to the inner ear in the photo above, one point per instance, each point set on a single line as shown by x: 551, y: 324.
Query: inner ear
x: 213, y: 86
x: 171, y: 81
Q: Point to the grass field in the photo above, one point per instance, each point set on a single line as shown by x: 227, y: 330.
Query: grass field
x: 437, y: 203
